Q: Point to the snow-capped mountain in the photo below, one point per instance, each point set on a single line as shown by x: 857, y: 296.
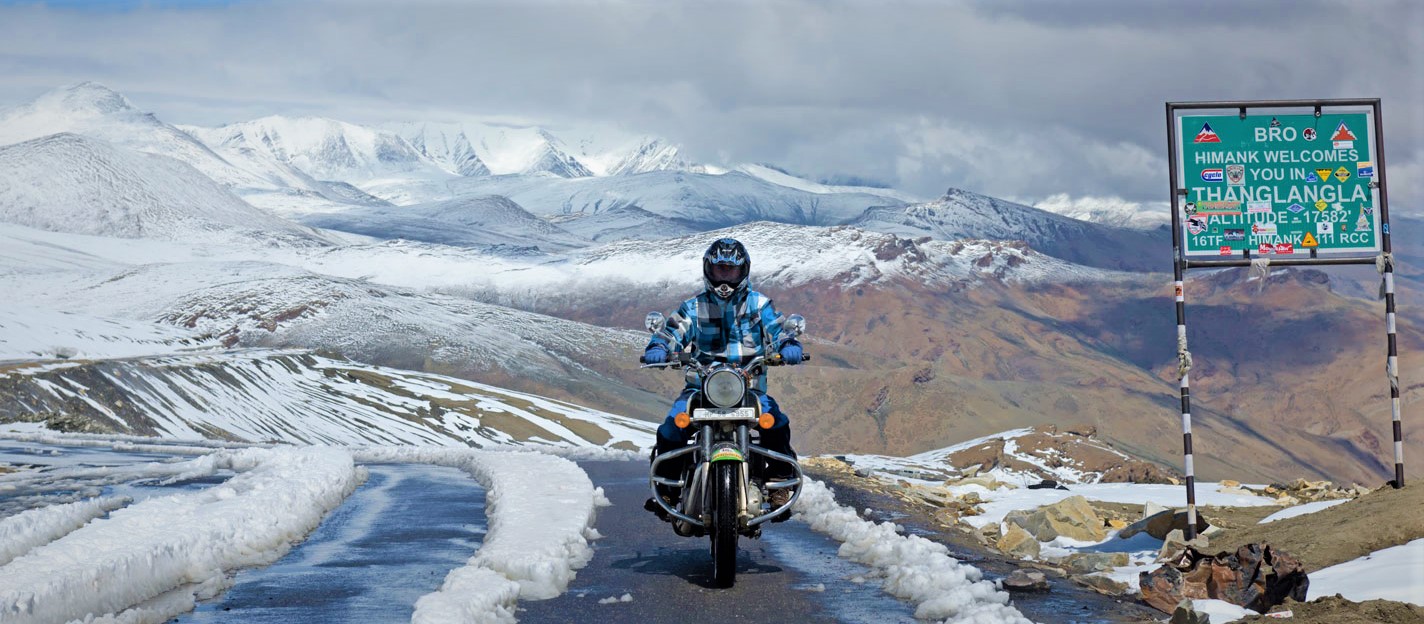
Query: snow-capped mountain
x: 616, y: 207
x: 96, y: 111
x: 652, y: 154
x: 777, y: 176
x: 500, y: 149
x: 961, y: 214
x: 326, y: 149
x: 472, y: 222
x: 1107, y: 211
x: 454, y: 152
x: 71, y: 183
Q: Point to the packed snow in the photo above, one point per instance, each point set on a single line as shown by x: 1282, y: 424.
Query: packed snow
x: 153, y: 559
x: 31, y: 529
x: 914, y: 568
x: 1300, y: 510
x: 1220, y: 610
x: 540, y: 511
x: 1395, y: 573
x: 172, y: 550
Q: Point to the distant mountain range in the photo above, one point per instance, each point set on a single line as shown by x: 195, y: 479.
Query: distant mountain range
x: 504, y: 255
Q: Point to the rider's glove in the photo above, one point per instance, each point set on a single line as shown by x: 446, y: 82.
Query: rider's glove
x: 658, y: 354
x: 791, y: 352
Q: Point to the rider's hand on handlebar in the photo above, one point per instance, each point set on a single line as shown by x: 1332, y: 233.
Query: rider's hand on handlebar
x: 655, y: 354
x: 791, y: 353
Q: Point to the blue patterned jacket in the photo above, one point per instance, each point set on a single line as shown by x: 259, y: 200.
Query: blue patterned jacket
x: 736, y: 328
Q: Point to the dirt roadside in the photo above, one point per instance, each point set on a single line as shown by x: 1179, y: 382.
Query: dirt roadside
x: 1383, y: 518
x: 1337, y: 610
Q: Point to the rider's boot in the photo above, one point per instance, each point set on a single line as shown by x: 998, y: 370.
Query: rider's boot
x: 662, y: 514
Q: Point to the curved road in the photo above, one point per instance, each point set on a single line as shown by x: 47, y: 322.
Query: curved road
x: 399, y: 534
x: 790, y: 574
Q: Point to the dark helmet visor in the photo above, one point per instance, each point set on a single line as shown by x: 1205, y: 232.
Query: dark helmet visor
x: 727, y: 273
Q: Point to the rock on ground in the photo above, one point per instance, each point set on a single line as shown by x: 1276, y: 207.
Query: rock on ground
x: 1071, y: 517
x: 1019, y: 543
x: 1026, y: 581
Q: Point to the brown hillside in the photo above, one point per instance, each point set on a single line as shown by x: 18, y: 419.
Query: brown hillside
x: 1288, y: 381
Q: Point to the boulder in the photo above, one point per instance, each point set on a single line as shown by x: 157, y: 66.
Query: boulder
x: 1103, y: 584
x: 991, y: 532
x: 1018, y: 542
x: 1152, y: 508
x: 1026, y: 581
x: 1088, y: 563
x: 1160, y: 523
x: 934, y: 496
x: 1256, y: 576
x: 947, y: 517
x: 984, y: 481
x: 1071, y: 517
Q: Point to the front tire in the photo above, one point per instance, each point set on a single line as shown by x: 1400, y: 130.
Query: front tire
x: 725, y: 488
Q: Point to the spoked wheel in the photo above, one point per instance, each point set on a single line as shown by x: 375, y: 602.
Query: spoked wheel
x: 724, y: 490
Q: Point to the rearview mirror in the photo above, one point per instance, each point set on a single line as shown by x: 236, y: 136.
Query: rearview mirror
x: 655, y: 322
x: 796, y: 325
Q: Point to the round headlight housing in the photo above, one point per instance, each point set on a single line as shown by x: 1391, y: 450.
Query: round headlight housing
x: 725, y: 388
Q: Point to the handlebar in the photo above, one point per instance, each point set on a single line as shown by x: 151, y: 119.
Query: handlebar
x: 685, y: 359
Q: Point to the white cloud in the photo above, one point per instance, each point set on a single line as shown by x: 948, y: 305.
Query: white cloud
x: 1048, y: 98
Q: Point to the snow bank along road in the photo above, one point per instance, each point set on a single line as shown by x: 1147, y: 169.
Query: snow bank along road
x: 110, y: 558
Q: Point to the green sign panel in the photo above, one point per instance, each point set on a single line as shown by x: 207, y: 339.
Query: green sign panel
x: 1278, y: 184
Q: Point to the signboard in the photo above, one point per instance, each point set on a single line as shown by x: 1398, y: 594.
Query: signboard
x: 1278, y: 184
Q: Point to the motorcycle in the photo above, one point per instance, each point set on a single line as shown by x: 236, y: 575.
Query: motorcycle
x: 723, y: 493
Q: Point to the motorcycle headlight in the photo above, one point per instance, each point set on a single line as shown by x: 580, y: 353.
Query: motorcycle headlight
x: 725, y: 388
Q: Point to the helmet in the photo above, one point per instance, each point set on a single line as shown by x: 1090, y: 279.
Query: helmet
x: 726, y: 267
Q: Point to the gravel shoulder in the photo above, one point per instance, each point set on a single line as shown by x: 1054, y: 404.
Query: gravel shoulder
x: 1337, y: 610
x: 1383, y: 518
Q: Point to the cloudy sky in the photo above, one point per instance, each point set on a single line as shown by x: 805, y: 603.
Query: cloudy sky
x: 1023, y: 100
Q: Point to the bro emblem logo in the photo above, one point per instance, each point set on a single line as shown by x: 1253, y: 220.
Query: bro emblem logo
x: 1236, y: 175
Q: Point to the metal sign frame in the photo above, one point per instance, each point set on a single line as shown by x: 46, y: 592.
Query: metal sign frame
x: 1182, y: 262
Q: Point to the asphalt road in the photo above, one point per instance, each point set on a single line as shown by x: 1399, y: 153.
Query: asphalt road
x: 398, y: 535
x: 791, y: 574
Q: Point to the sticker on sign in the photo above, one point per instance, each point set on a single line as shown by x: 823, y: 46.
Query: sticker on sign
x: 1263, y: 173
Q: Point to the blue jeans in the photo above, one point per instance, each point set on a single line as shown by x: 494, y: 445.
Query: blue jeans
x: 777, y: 438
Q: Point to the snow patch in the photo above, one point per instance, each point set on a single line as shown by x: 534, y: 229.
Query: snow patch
x: 27, y: 530
x: 538, y: 508
x: 1395, y: 573
x: 163, y: 553
x: 914, y: 568
x: 1301, y: 510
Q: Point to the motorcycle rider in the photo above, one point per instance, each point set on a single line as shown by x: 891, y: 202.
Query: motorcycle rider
x: 731, y: 319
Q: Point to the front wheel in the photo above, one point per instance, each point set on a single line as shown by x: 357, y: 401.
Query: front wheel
x: 725, y: 490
